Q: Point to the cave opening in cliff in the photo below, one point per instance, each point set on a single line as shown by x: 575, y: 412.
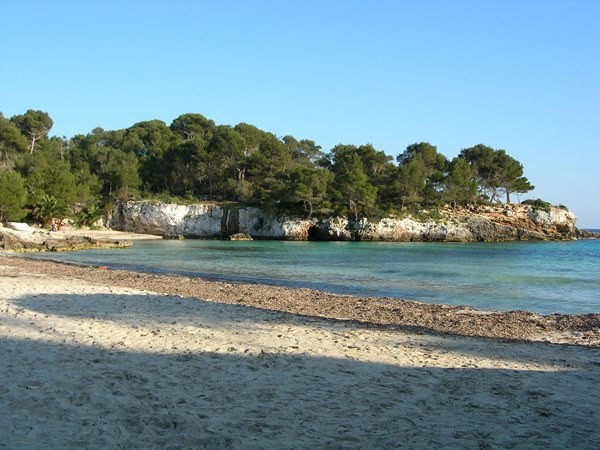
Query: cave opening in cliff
x: 314, y: 233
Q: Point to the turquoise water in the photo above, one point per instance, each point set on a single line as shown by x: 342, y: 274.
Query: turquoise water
x: 543, y: 277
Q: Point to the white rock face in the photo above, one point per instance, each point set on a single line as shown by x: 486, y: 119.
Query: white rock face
x: 205, y: 221
x: 166, y: 218
x: 19, y: 226
x: 408, y: 229
x: 556, y: 216
x: 487, y: 223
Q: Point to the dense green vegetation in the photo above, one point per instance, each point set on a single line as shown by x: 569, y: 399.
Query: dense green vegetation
x: 194, y: 159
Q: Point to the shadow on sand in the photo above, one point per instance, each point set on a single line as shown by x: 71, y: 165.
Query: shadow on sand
x: 63, y: 389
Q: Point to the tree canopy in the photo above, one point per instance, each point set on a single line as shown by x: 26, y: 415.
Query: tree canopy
x: 35, y: 125
x: 197, y: 160
x: 496, y: 172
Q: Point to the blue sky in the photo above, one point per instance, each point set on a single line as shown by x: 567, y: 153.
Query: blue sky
x: 519, y: 75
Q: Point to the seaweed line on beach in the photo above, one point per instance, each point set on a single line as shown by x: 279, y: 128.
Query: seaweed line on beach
x: 574, y: 329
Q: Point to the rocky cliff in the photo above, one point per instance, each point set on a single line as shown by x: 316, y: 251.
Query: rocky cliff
x: 481, y: 223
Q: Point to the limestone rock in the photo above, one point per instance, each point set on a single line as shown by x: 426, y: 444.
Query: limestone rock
x: 488, y: 223
x: 41, y: 241
x: 240, y: 237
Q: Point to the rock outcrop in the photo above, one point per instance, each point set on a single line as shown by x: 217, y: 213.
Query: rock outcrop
x: 23, y: 240
x: 478, y: 223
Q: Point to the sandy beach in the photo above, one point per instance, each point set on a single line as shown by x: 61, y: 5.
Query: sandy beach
x: 96, y: 358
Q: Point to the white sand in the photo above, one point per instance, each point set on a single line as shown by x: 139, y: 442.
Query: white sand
x: 91, y: 366
x: 104, y: 234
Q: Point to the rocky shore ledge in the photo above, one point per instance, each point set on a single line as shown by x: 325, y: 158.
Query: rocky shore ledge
x: 26, y: 239
x: 582, y: 330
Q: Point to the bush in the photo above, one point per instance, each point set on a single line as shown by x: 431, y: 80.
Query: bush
x: 48, y: 209
x: 424, y: 216
x: 538, y: 204
x: 88, y: 216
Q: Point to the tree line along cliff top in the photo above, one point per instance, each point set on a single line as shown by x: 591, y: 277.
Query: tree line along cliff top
x: 193, y: 159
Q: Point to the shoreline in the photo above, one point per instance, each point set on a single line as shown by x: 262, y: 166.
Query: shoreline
x: 100, y: 358
x: 392, y: 313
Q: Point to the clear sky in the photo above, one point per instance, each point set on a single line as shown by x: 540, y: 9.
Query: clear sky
x: 519, y: 75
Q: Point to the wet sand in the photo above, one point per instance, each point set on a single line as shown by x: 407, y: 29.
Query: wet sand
x: 96, y: 358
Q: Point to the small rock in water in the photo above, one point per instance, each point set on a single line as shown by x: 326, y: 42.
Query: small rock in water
x: 240, y: 237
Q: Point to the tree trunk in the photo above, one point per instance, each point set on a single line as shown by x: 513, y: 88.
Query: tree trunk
x: 310, y: 210
x: 32, y: 146
x: 241, y: 173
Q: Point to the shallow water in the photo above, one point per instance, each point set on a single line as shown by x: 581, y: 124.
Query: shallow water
x: 543, y: 277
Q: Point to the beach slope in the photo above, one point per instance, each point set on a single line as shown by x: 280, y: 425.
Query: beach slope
x: 92, y: 363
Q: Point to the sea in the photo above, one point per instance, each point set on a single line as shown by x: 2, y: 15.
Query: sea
x: 542, y: 277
